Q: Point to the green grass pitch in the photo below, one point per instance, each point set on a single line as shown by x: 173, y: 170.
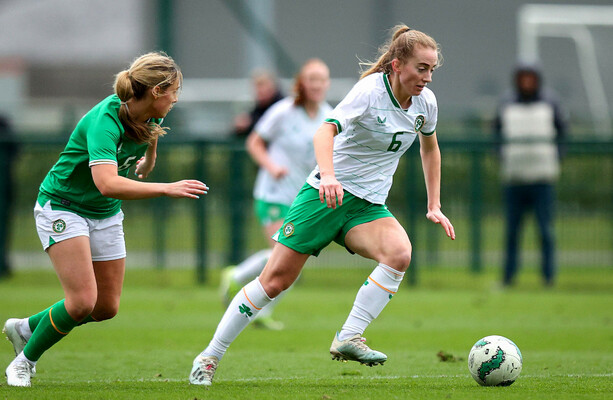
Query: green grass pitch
x: 565, y: 334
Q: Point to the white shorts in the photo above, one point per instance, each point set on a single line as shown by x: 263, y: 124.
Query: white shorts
x: 106, y: 238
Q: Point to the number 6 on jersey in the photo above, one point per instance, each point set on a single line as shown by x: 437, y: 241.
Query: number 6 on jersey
x: 395, y: 145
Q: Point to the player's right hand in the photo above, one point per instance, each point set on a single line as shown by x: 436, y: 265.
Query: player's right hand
x: 189, y: 188
x: 278, y: 171
x: 330, y: 191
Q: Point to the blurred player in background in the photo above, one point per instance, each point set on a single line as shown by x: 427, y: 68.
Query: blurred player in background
x: 267, y: 92
x: 78, y: 211
x: 530, y: 128
x: 281, y: 144
x: 357, y: 151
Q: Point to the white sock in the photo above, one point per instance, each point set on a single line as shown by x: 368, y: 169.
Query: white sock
x: 23, y: 327
x: 243, y: 309
x: 372, y: 297
x: 252, y: 266
x: 22, y: 357
x: 268, y: 309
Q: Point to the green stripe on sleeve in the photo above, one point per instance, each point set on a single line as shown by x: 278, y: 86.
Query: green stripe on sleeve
x: 335, y: 122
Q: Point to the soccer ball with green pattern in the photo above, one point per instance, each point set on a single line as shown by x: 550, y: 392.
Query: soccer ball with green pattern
x: 495, y: 361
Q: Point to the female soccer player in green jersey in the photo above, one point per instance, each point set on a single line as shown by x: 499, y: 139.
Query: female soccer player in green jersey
x: 357, y: 152
x: 78, y: 211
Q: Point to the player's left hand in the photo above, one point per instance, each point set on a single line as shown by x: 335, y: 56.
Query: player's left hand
x: 436, y: 215
x: 144, y: 167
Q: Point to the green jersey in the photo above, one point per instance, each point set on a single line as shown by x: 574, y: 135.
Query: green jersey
x: 99, y: 138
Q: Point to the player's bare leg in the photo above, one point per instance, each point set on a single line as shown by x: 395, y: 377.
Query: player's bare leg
x: 383, y: 240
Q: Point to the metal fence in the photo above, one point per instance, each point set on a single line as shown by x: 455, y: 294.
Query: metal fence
x: 220, y: 229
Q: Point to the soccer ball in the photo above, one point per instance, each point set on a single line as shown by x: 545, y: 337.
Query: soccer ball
x: 495, y: 361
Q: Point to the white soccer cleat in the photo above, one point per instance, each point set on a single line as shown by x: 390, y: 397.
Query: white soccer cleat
x: 18, y: 373
x: 355, y: 349
x: 203, y: 370
x: 14, y: 335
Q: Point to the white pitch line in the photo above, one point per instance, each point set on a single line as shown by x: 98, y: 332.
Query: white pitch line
x: 372, y: 378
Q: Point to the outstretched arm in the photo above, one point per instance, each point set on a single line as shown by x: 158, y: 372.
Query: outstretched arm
x: 431, y: 163
x: 110, y: 184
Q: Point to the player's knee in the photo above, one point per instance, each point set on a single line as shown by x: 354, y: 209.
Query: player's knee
x: 105, y: 313
x: 79, y: 307
x: 274, y: 286
x: 399, y: 260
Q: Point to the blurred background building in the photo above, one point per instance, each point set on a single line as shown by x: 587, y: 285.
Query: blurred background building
x: 58, y: 58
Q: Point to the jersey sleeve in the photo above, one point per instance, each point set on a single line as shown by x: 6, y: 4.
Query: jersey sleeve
x: 354, y: 104
x: 268, y: 126
x: 103, y: 140
x: 432, y: 109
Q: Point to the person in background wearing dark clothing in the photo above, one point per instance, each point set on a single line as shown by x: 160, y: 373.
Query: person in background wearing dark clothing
x: 530, y: 128
x: 8, y: 151
x: 267, y: 93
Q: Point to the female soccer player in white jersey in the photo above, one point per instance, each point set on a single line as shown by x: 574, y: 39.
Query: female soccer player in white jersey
x: 282, y: 145
x: 357, y: 152
x: 78, y: 210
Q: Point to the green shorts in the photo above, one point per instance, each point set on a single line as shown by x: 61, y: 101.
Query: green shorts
x: 310, y: 225
x: 268, y: 213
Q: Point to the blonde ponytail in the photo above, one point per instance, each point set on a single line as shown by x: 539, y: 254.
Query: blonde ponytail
x: 147, y: 71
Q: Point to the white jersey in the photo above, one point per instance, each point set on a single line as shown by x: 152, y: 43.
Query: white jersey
x: 373, y: 133
x: 288, y: 131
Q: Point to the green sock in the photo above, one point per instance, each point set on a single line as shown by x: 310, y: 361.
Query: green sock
x: 52, y: 327
x: 34, y: 320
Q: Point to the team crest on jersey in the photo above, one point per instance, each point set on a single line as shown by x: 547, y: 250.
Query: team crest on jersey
x: 381, y: 121
x: 59, y: 225
x: 419, y: 122
x: 288, y: 229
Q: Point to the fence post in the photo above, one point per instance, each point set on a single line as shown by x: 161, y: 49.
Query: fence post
x: 411, y: 195
x: 166, y: 25
x: 476, y: 208
x: 237, y: 204
x: 432, y: 245
x: 160, y: 214
x: 6, y: 157
x: 200, y: 173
